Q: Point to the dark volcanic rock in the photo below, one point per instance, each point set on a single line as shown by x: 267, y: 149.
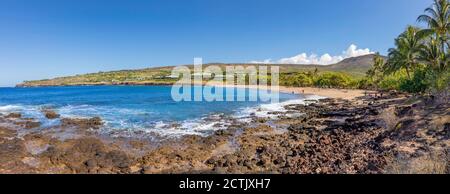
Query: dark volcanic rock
x: 28, y: 124
x: 402, y: 111
x: 50, y: 114
x: 31, y: 124
x: 93, y: 123
x: 14, y: 115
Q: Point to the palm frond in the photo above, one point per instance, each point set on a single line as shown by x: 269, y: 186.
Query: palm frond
x: 424, y: 18
x: 432, y: 12
x: 425, y: 33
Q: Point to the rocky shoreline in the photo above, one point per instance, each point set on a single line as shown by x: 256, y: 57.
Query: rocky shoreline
x: 393, y: 134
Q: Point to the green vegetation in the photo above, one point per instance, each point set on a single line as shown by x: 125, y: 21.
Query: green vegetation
x: 420, y: 61
x: 352, y: 67
x: 316, y: 79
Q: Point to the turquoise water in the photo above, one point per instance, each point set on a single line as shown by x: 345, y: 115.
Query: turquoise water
x: 148, y: 108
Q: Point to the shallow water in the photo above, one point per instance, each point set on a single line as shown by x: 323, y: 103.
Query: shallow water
x: 146, y: 108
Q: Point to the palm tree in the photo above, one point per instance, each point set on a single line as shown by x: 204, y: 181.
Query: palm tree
x: 397, y: 61
x: 406, y: 53
x: 438, y: 19
x: 378, y: 64
x: 375, y: 74
x: 430, y: 54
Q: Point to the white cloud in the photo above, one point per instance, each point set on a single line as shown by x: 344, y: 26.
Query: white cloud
x: 267, y: 61
x: 326, y: 59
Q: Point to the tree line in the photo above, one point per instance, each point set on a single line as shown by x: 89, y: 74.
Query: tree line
x: 419, y: 62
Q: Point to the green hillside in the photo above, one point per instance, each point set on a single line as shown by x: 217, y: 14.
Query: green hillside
x: 355, y: 67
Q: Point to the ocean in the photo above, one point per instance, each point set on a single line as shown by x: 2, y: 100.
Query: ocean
x: 135, y: 108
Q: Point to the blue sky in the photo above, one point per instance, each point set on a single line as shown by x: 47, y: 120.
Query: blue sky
x: 47, y: 38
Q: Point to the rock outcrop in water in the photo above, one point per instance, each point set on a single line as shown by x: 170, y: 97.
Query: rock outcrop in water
x: 92, y: 123
x: 50, y: 114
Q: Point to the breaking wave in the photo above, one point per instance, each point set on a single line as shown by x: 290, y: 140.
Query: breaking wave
x: 131, y: 110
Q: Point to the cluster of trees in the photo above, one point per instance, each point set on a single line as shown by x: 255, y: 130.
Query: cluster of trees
x: 419, y: 63
x: 316, y: 79
x: 420, y: 60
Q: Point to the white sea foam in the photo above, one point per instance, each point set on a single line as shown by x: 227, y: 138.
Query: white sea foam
x: 202, y: 127
x: 207, y: 125
x: 30, y: 111
x: 115, y: 121
x: 10, y: 108
x: 122, y: 119
x: 264, y: 110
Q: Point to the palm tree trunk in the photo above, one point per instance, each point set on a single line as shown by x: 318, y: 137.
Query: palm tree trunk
x: 443, y: 43
x: 413, y: 67
x: 446, y: 43
x: 407, y: 73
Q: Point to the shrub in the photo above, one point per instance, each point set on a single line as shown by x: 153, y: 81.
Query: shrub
x: 364, y: 83
x: 392, y: 81
x: 417, y: 84
x: 303, y: 80
x: 333, y: 79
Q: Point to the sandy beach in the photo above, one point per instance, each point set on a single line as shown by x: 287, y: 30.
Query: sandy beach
x: 346, y: 94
